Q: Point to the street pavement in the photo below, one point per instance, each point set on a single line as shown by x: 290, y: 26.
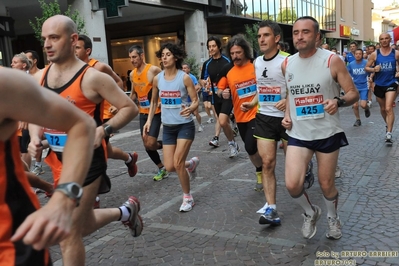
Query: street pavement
x: 223, y: 228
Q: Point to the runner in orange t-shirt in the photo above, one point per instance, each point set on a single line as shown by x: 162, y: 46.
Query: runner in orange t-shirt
x: 239, y: 83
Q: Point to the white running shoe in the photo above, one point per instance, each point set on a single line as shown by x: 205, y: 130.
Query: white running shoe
x: 200, y: 128
x: 210, y: 120
x: 187, y: 205
x: 234, y: 150
x: 194, y: 162
x: 263, y: 209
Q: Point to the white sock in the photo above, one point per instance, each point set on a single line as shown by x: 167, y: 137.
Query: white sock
x: 273, y: 206
x: 304, y: 202
x: 125, y: 213
x: 331, y: 205
x: 232, y: 142
x: 39, y: 164
x: 187, y: 195
x: 129, y: 160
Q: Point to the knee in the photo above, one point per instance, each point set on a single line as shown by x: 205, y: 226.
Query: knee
x: 268, y: 164
x: 150, y: 143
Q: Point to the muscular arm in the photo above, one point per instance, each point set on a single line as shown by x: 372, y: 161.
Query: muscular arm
x: 108, y: 70
x: 370, y: 63
x: 341, y: 75
x: 97, y: 86
x: 23, y: 99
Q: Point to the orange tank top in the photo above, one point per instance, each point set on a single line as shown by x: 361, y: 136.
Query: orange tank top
x: 143, y: 89
x: 106, y: 113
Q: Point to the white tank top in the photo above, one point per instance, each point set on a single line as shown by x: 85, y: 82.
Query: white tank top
x: 309, y: 83
x: 271, y: 84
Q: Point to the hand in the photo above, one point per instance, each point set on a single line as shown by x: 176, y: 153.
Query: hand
x: 246, y: 106
x: 22, y: 125
x: 330, y: 106
x: 99, y: 136
x: 48, y: 225
x: 377, y: 68
x: 146, y: 129
x: 287, y: 122
x: 280, y: 105
x: 226, y: 94
x: 35, y: 147
x: 186, y: 111
x: 113, y: 110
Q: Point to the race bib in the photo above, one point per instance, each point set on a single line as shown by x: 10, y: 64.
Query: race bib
x: 56, y: 139
x: 309, y: 107
x: 246, y: 89
x: 269, y: 95
x: 171, y: 99
x: 144, y: 102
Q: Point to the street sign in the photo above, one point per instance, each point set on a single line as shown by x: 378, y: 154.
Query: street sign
x: 113, y: 7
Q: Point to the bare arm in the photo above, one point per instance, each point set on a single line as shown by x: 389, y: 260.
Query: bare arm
x: 286, y: 122
x: 98, y: 86
x: 370, y: 63
x: 50, y: 224
x: 186, y: 112
x: 108, y: 70
x: 153, y: 105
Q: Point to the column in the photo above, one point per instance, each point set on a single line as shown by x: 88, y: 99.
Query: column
x: 196, y: 35
x: 95, y: 29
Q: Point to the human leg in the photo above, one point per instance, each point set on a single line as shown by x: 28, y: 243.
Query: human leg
x: 355, y: 107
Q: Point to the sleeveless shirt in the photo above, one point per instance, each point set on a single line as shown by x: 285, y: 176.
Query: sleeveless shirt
x: 386, y: 76
x: 271, y: 84
x: 173, y: 95
x: 307, y: 91
x: 143, y: 89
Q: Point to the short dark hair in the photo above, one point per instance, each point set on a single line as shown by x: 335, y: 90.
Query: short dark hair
x: 282, y: 45
x: 139, y: 50
x: 35, y: 55
x: 178, y: 53
x: 87, y: 42
x: 316, y: 25
x: 353, y: 42
x: 217, y: 41
x: 359, y: 49
x: 272, y: 25
x: 240, y: 40
x: 187, y: 64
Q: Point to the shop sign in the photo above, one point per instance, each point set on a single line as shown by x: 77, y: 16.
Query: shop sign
x: 355, y: 32
x: 344, y: 31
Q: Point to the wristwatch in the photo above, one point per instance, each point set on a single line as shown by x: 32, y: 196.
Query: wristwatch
x: 72, y: 190
x: 340, y: 102
x: 108, y: 130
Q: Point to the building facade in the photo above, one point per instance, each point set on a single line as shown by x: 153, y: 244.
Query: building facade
x: 114, y: 26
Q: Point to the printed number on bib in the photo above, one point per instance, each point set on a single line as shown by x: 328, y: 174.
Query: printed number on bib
x: 56, y: 139
x: 170, y: 99
x: 144, y: 102
x: 309, y: 107
x: 269, y: 95
x: 246, y: 88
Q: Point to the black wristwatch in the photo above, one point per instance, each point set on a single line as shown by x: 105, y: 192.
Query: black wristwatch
x: 108, y: 130
x: 340, y: 102
x: 72, y: 190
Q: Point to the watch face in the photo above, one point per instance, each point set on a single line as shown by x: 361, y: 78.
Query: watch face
x: 75, y: 190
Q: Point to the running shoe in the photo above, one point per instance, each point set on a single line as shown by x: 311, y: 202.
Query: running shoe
x: 187, y: 205
x: 338, y: 172
x: 210, y: 120
x: 200, y: 128
x: 270, y: 217
x: 358, y: 123
x: 369, y: 104
x: 132, y: 166
x: 135, y: 223
x: 236, y: 131
x: 194, y: 162
x: 334, y: 228
x: 37, y: 170
x: 234, y: 150
x: 309, y: 228
x: 214, y: 142
x: 162, y: 174
x: 309, y: 176
x: 367, y: 112
x: 388, y: 138
x: 258, y: 187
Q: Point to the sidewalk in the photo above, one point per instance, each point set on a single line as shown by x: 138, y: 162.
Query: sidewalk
x: 223, y: 228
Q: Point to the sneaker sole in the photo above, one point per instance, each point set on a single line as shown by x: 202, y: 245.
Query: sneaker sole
x: 213, y: 145
x: 164, y: 177
x: 333, y: 237
x: 263, y: 220
x: 181, y: 210
x: 135, y: 157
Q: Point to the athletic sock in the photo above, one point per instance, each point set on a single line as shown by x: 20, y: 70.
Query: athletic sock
x: 232, y: 143
x: 38, y: 164
x: 304, y: 202
x: 129, y: 160
x: 125, y: 213
x: 259, y: 177
x: 331, y: 205
x: 272, y: 206
x: 187, y: 195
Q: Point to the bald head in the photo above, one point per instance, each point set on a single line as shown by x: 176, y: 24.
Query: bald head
x: 66, y: 23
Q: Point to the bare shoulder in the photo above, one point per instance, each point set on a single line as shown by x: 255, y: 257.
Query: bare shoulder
x: 155, y: 70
